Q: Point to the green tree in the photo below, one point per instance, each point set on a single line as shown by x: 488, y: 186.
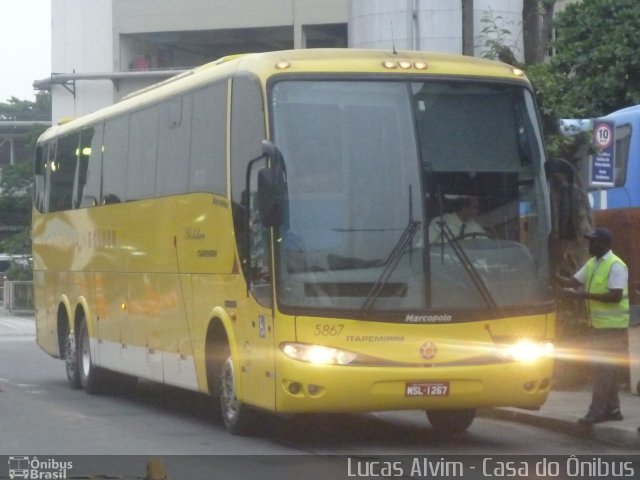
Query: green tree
x: 494, y: 34
x: 596, y: 62
x: 16, y: 181
x: 16, y: 109
x: 15, y: 206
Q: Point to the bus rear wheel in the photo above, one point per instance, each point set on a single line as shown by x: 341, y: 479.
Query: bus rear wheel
x: 451, y: 421
x: 238, y: 418
x: 90, y: 375
x: 71, y: 362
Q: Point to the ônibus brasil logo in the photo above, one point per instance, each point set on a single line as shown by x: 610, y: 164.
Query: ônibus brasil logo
x: 33, y: 468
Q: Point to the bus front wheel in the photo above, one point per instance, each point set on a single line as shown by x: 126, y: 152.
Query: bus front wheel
x: 451, y: 421
x: 237, y: 417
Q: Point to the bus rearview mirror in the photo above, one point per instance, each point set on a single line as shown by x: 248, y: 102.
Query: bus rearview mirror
x: 271, y: 196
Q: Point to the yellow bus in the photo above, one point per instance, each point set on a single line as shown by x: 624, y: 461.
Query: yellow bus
x: 256, y: 230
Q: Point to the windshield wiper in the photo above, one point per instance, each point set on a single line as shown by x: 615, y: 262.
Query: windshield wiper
x: 391, y: 262
x: 467, y: 264
x: 447, y: 234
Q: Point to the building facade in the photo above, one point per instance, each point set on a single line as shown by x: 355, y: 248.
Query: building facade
x: 453, y: 26
x: 103, y: 50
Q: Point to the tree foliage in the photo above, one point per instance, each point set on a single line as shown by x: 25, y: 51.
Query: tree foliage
x: 16, y: 109
x: 494, y: 34
x: 15, y: 205
x: 596, y: 64
x: 595, y: 69
x: 16, y: 181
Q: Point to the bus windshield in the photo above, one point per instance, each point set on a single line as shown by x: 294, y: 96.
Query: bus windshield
x: 375, y: 167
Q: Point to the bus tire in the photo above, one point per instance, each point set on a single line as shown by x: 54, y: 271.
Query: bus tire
x: 238, y: 418
x: 451, y: 421
x: 90, y: 375
x: 71, y: 362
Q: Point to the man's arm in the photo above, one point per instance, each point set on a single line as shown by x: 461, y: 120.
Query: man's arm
x: 612, y: 296
x: 570, y: 282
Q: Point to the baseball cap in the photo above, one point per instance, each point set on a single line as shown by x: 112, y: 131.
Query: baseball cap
x: 603, y: 234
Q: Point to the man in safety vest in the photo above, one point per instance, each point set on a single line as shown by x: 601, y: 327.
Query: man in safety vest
x: 604, y: 286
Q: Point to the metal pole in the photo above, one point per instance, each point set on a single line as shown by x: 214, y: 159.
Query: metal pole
x: 467, y: 28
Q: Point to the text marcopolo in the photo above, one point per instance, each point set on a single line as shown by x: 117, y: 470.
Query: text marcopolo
x: 441, y: 318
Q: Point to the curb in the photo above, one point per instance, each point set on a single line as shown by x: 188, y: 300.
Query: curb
x: 606, y: 433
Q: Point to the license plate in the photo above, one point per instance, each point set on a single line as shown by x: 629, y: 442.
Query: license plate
x: 427, y: 389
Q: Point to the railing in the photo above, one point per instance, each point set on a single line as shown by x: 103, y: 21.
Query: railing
x: 18, y: 296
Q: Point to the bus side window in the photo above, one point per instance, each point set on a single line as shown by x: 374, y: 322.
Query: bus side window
x: 115, y: 156
x: 208, y: 165
x: 62, y: 173
x: 84, y: 153
x: 143, y: 154
x: 174, y: 129
x: 623, y: 143
x: 40, y: 170
x: 91, y: 190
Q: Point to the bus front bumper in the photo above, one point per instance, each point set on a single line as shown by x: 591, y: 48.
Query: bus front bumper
x: 304, y: 387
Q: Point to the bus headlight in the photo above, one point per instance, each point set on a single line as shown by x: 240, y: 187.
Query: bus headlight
x: 317, y: 354
x: 527, y: 351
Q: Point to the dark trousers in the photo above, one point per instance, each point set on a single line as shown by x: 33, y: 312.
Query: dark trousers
x: 608, y: 348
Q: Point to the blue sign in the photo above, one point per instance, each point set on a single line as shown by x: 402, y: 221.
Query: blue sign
x: 603, y: 165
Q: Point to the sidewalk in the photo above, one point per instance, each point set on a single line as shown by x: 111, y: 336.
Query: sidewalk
x: 13, y: 325
x: 563, y: 409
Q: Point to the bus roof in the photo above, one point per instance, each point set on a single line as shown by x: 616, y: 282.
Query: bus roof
x: 321, y: 61
x: 625, y: 114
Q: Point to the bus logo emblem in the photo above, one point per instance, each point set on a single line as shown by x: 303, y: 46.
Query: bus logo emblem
x: 18, y: 467
x: 428, y: 350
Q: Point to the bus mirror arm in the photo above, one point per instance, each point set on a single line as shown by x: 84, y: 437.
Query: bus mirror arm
x: 559, y: 166
x: 270, y: 150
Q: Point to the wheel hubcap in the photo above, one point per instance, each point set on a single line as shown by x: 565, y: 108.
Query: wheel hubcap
x: 228, y: 398
x: 70, y: 356
x: 86, y: 355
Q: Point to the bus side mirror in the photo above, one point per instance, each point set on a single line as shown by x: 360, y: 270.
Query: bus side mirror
x: 272, y: 187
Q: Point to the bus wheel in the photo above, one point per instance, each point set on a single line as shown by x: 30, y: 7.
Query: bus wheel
x: 71, y: 361
x: 90, y: 375
x: 451, y: 421
x: 237, y: 417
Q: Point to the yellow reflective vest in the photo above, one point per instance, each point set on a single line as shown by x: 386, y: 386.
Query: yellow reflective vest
x: 604, y: 314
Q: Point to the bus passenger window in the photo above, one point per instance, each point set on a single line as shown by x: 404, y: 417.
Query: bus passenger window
x: 143, y: 153
x: 84, y: 152
x: 91, y: 190
x: 173, y: 146
x: 208, y: 165
x: 40, y: 170
x: 115, y: 155
x: 62, y: 170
